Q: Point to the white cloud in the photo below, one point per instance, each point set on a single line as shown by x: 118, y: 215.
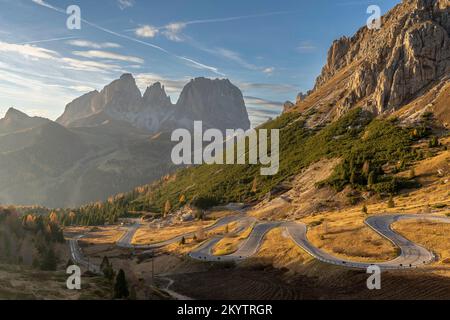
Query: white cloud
x: 262, y: 102
x: 111, y: 32
x: 124, y: 4
x: 272, y: 87
x: 143, y: 80
x: 146, y: 31
x: 43, y: 113
x: 97, y: 54
x: 269, y: 70
x: 172, y: 31
x: 86, y: 65
x: 93, y: 45
x: 82, y: 88
x: 28, y: 51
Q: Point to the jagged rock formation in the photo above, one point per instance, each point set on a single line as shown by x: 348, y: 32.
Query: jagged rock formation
x: 104, y: 143
x: 384, y: 69
x: 218, y: 103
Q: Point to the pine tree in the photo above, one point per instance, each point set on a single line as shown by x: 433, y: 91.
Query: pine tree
x: 371, y: 179
x: 167, y: 207
x: 366, y: 168
x: 364, y: 209
x: 353, y: 178
x: 391, y: 203
x: 255, y: 185
x: 121, y: 286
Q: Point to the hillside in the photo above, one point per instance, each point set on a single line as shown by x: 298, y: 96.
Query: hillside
x: 347, y: 117
x: 106, y: 142
x: 382, y: 70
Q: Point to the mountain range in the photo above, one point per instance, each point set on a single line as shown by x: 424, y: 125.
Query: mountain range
x: 106, y: 142
x: 381, y: 94
x: 403, y: 67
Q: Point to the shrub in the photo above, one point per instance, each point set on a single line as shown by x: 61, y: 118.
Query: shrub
x: 364, y: 209
x: 391, y: 203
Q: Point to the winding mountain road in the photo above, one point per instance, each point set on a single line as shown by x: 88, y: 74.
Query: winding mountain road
x: 411, y: 254
x: 126, y: 240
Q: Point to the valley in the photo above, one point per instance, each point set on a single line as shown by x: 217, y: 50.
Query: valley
x: 349, y: 183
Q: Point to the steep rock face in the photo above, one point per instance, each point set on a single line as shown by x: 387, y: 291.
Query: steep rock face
x: 81, y: 107
x: 218, y: 103
x: 157, y: 108
x: 384, y: 69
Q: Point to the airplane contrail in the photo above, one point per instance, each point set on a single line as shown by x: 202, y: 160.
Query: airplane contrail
x: 195, y: 63
x: 47, y: 40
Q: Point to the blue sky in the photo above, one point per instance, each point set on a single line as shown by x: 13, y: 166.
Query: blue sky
x: 270, y: 49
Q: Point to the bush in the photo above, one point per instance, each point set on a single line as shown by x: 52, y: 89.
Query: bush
x: 364, y: 209
x: 391, y: 203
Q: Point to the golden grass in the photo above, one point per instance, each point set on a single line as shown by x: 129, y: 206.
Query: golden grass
x: 23, y: 283
x: 231, y: 242
x: 148, y: 235
x: 280, y: 251
x: 97, y: 235
x: 345, y: 235
x: 434, y: 236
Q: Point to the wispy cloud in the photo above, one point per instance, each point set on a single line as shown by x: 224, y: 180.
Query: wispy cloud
x: 33, y: 52
x: 272, y: 87
x: 47, y: 40
x: 262, y: 102
x: 173, y: 30
x: 306, y: 47
x: 98, y: 54
x: 199, y: 65
x: 143, y: 80
x: 191, y: 62
x: 232, y: 56
x: 88, y: 65
x: 124, y: 4
x: 93, y: 45
x: 235, y: 57
x: 28, y: 51
x: 146, y: 31
x: 269, y: 70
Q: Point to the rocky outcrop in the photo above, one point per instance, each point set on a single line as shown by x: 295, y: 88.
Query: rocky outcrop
x: 386, y: 68
x: 16, y: 120
x: 218, y: 103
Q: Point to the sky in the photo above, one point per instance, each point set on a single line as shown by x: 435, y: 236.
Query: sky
x: 271, y: 50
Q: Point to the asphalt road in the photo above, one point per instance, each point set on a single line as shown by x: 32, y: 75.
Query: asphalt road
x: 79, y: 258
x: 248, y: 248
x: 411, y: 255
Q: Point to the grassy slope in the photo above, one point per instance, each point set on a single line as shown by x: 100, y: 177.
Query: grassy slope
x: 356, y: 138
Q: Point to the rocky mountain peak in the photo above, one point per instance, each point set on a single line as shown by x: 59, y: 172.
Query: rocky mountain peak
x: 156, y: 95
x: 218, y: 103
x: 15, y: 115
x: 384, y: 69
